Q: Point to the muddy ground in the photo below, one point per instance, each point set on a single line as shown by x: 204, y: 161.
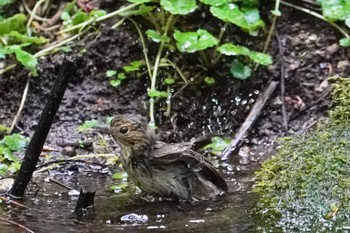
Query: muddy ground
x: 306, y: 53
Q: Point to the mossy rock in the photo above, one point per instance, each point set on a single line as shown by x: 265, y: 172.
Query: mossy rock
x: 305, y: 186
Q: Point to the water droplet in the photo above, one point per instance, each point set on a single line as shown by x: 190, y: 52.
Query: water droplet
x: 233, y: 112
x: 251, y: 101
x: 256, y: 92
x: 244, y: 102
x: 238, y: 99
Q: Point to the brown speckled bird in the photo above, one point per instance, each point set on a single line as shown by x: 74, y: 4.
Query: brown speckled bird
x: 165, y: 170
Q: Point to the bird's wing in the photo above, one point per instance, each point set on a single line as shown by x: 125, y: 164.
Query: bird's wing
x: 170, y: 153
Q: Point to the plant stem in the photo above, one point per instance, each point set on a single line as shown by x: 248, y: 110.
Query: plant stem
x: 57, y: 45
x: 155, y: 71
x: 101, y: 18
x: 340, y: 29
x: 21, y: 106
x: 32, y: 15
x: 272, y: 28
x: 145, y: 50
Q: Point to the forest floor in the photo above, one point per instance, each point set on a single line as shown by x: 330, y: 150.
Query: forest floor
x: 305, y: 51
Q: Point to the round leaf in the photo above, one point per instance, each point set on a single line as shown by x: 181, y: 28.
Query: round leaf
x: 247, y: 19
x: 115, y: 82
x: 214, y: 2
x: 156, y: 36
x: 209, y: 80
x: 156, y: 93
x: 191, y: 42
x: 111, y: 73
x: 169, y: 81
x: 179, y: 7
x: 345, y: 42
x: 233, y: 50
x: 240, y: 71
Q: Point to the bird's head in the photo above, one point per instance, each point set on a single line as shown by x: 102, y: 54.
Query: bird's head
x: 132, y: 132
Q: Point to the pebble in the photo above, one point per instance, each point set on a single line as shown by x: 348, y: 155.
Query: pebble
x: 69, y: 151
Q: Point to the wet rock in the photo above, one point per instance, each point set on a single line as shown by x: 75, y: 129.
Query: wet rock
x: 342, y: 65
x: 332, y: 49
x: 69, y: 151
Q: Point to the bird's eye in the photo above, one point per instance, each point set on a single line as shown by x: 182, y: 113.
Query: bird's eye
x: 123, y: 130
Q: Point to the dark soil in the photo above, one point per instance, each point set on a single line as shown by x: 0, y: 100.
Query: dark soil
x: 307, y: 55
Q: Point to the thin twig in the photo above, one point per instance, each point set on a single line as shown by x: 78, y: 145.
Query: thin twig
x: 253, y: 115
x: 60, y: 184
x: 21, y: 106
x: 68, y: 161
x: 272, y: 28
x: 16, y: 224
x: 8, y: 200
x: 10, y: 67
x: 282, y: 85
x: 98, y: 19
x: 325, y: 93
x: 340, y: 29
x: 32, y: 14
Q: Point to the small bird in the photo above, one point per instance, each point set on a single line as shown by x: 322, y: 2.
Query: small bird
x: 162, y: 169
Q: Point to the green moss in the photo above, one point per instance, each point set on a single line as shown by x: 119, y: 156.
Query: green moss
x: 306, y: 185
x: 340, y: 112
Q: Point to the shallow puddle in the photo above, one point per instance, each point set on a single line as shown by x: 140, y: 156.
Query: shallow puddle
x: 50, y: 207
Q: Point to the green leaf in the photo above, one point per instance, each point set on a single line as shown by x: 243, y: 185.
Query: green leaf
x: 276, y: 12
x: 245, y: 18
x: 118, y: 188
x: 133, y: 66
x: 65, y: 16
x: 14, y: 23
x: 335, y: 9
x: 179, y: 7
x: 169, y: 81
x: 156, y: 93
x: 96, y: 13
x: 15, y: 142
x: 111, y: 73
x: 3, y: 129
x: 345, y: 42
x: 5, y: 2
x: 26, y: 59
x: 20, y: 38
x: 218, y: 145
x: 156, y: 36
x: 240, y: 71
x: 66, y: 49
x: 121, y: 76
x: 191, y: 42
x: 79, y: 17
x: 143, y: 9
x: 14, y: 166
x: 119, y: 175
x: 260, y: 58
x: 138, y: 1
x: 115, y: 82
x: 89, y: 124
x: 233, y: 50
x: 209, y: 80
x: 7, y: 154
x: 215, y: 2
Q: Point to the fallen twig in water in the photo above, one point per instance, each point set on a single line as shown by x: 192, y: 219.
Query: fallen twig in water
x: 253, y: 115
x: 16, y: 224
